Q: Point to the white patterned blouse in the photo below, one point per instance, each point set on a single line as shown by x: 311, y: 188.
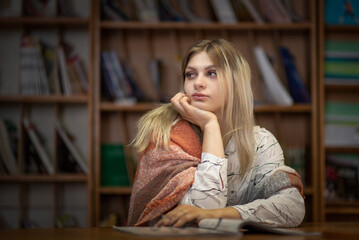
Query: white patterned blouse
x: 258, y: 196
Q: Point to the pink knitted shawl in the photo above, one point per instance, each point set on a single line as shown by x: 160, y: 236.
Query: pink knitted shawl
x: 163, y: 177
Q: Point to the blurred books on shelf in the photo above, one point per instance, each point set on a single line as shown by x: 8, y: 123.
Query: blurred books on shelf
x: 72, y: 73
x: 115, y: 10
x: 8, y: 148
x: 147, y: 11
x: 118, y: 83
x: 341, y: 64
x: 169, y: 13
x: 114, y: 171
x: 253, y: 11
x: 341, y: 124
x: 33, y: 77
x: 39, y: 148
x: 224, y: 11
x: 39, y: 74
x: 37, y: 8
x: 274, y: 88
x: 69, y: 159
x: 342, y: 12
x: 10, y: 8
x: 342, y: 177
x: 274, y: 11
x: 297, y: 89
x: 296, y: 158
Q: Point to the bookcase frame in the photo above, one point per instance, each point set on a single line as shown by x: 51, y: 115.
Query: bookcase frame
x: 295, y: 124
x: 24, y: 181
x: 333, y: 210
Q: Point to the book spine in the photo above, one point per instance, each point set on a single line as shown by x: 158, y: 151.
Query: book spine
x: 6, y: 153
x: 39, y: 148
x: 273, y: 84
x: 253, y: 11
x: 71, y: 147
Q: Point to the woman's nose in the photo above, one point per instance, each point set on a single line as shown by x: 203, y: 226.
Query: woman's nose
x: 200, y: 82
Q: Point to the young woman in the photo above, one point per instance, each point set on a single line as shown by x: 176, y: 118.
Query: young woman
x: 202, y: 155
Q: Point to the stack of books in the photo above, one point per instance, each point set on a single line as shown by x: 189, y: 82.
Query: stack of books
x: 341, y: 64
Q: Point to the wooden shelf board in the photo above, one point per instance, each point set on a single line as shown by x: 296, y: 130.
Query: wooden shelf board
x: 43, y: 21
x: 44, y: 99
x: 341, y: 87
x: 205, y: 26
x: 342, y: 28
x: 44, y: 178
x: 342, y: 149
x: 276, y: 108
x: 141, y: 107
x: 115, y: 190
x: 342, y: 207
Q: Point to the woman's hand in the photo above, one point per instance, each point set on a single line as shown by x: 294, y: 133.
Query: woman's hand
x: 201, y: 118
x: 184, y: 214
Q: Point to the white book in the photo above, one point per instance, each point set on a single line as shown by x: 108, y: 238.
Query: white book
x: 274, y: 86
x: 224, y: 11
x: 45, y: 159
x: 7, y: 155
x: 70, y: 146
x: 253, y: 12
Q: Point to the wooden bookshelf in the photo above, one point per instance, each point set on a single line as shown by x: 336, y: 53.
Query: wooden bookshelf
x: 333, y: 210
x: 38, y: 199
x: 137, y: 43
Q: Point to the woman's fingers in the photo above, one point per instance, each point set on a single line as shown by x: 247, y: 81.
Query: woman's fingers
x: 180, y: 216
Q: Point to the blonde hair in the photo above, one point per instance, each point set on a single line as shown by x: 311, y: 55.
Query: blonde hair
x: 237, y: 109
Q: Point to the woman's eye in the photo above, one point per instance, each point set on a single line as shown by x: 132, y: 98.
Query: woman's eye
x: 212, y: 73
x: 190, y: 75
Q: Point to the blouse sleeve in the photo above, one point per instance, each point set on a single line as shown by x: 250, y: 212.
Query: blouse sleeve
x: 213, y: 171
x: 283, y: 209
x: 273, y: 195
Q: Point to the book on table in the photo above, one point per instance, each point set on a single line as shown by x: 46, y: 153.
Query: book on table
x: 222, y: 227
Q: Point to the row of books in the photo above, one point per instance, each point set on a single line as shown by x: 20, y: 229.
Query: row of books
x: 275, y: 90
x: 226, y: 11
x: 342, y: 177
x: 341, y: 124
x: 45, y: 69
x: 38, y: 8
x: 37, y: 160
x: 119, y: 85
x: 341, y: 65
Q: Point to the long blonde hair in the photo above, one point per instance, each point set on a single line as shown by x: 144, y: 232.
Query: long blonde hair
x: 237, y: 109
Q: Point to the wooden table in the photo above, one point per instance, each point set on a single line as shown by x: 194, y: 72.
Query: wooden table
x: 329, y: 230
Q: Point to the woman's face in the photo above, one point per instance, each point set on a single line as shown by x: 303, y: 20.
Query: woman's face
x: 202, y: 84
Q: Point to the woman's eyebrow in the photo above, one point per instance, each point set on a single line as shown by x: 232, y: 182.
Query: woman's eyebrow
x: 194, y: 68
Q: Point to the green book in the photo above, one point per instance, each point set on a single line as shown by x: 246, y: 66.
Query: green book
x: 341, y: 46
x: 337, y: 67
x: 113, y: 165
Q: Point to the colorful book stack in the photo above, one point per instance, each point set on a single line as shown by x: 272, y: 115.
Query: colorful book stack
x: 341, y: 124
x: 341, y: 64
x: 342, y: 181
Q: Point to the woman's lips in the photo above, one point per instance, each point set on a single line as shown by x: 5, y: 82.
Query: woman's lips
x: 199, y: 96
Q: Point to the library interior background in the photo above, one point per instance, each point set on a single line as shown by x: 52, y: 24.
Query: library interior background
x: 76, y: 75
